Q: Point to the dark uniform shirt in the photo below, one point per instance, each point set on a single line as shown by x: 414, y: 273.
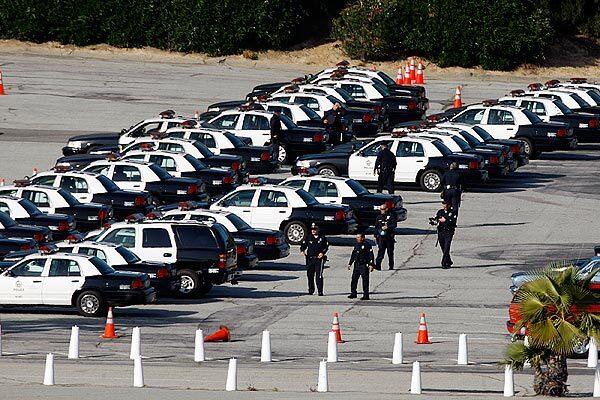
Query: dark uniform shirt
x: 453, y: 179
x: 388, y: 219
x: 450, y: 223
x: 313, y: 245
x: 333, y: 119
x: 386, y: 160
x: 275, y: 128
x: 362, y: 254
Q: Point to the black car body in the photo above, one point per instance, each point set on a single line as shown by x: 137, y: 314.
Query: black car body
x: 246, y: 256
x: 9, y: 245
x: 90, y: 142
x: 334, y: 159
x: 366, y: 207
x: 268, y: 244
x: 332, y: 219
x: 11, y: 229
x: 515, y: 146
x: 173, y: 190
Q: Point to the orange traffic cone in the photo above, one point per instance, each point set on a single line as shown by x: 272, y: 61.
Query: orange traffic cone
x: 222, y: 335
x: 335, y: 327
x: 457, y: 98
x: 399, y: 76
x: 109, y: 329
x: 422, y: 336
x: 413, y: 72
x: 2, y: 92
x: 420, y: 78
x: 407, y: 75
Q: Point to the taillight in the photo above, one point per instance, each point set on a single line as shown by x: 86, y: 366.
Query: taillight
x: 137, y: 284
x: 389, y: 204
x: 515, y: 149
x: 340, y: 215
x: 102, y: 215
x: 412, y: 105
x: 63, y: 226
x: 235, y: 166
x: 271, y: 240
x: 152, y: 216
x: 25, y: 247
x: 240, y: 250
x: 474, y: 164
x: 162, y: 273
x: 265, y: 156
x: 367, y: 118
x: 593, y: 123
x: 222, y: 260
x: 227, y: 180
x: 139, y: 201
x: 38, y: 237
x: 318, y: 137
x: 562, y: 132
x: 192, y: 189
x: 377, y: 109
x: 493, y: 160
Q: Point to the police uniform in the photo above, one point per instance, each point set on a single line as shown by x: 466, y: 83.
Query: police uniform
x: 333, y: 119
x: 385, y: 237
x: 452, y: 186
x: 362, y: 258
x: 312, y: 246
x: 386, y: 165
x: 445, y: 234
x: 275, y: 126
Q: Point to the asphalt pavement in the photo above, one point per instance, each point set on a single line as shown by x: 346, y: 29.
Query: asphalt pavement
x: 546, y: 211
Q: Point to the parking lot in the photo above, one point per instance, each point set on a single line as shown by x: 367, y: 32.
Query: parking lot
x: 545, y: 211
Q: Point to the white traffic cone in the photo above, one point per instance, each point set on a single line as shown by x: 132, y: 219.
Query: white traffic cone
x: 509, y: 381
x: 136, y: 344
x: 231, y: 384
x: 74, y: 343
x: 265, y: 351
x: 463, y: 358
x: 199, y: 346
x: 397, y: 354
x: 597, y: 382
x: 138, y: 372
x: 415, y: 381
x: 332, y: 353
x: 323, y: 384
x: 592, y: 354
x: 49, y: 371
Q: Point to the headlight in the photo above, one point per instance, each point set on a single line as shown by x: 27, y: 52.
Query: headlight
x: 75, y: 144
x: 303, y: 163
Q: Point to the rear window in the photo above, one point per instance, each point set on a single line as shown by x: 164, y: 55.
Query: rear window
x: 195, y: 237
x: 101, y: 266
x: 581, y: 102
x: 442, y: 148
x: 224, y: 235
x: 155, y: 237
x: 534, y: 119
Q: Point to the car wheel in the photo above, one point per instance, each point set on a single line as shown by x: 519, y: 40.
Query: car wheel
x: 328, y: 170
x: 189, y: 283
x: 295, y: 232
x: 529, y: 148
x: 282, y: 157
x: 431, y: 180
x: 91, y: 304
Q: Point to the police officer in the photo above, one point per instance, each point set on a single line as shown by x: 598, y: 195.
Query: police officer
x: 385, y: 166
x: 452, y: 186
x: 446, y: 225
x: 276, y: 132
x: 333, y: 118
x: 314, y: 248
x: 385, y: 226
x: 362, y: 258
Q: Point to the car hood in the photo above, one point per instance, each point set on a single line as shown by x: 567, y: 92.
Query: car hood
x: 105, y: 136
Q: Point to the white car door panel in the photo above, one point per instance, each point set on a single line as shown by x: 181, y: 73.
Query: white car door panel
x: 64, y: 278
x: 23, y: 283
x: 272, y: 208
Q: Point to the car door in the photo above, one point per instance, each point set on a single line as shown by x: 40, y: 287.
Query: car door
x: 362, y: 163
x: 536, y: 107
x: 167, y: 163
x: 325, y: 192
x: 239, y: 203
x: 40, y: 199
x: 78, y: 187
x: 257, y: 128
x: 208, y: 140
x: 156, y: 244
x: 356, y: 91
x: 501, y: 123
x: 23, y: 283
x: 411, y: 159
x: 272, y: 208
x: 128, y: 177
x: 62, y: 280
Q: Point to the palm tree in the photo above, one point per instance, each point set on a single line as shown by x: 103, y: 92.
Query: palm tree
x: 554, y: 310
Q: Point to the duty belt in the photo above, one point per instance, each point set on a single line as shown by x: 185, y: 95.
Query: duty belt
x: 452, y: 187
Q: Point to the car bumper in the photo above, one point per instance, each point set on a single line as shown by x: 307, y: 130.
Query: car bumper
x: 348, y: 226
x: 168, y: 198
x: 587, y: 135
x: 165, y: 287
x: 272, y: 252
x: 219, y: 276
x: 476, y: 176
x: 498, y: 170
x: 522, y: 160
x: 553, y: 144
x: 131, y: 297
x: 247, y: 261
x: 398, y: 116
x: 120, y: 212
x: 261, y: 167
x: 364, y: 129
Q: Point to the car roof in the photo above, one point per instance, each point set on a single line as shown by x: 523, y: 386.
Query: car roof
x: 159, y: 152
x: 43, y: 187
x: 320, y: 177
x: 266, y: 186
x: 529, y: 98
x: 121, y: 161
x: 67, y: 173
x: 402, y: 138
x: 9, y: 197
x: 58, y: 253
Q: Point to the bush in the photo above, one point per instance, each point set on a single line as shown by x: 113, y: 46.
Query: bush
x: 496, y: 34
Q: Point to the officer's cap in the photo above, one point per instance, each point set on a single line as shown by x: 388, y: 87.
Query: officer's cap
x: 314, y: 226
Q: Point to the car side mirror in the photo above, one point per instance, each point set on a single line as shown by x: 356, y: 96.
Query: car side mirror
x: 123, y: 131
x: 10, y: 273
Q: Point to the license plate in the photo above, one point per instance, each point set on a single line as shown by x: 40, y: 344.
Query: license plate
x: 328, y: 218
x: 551, y: 134
x: 307, y: 139
x: 213, y: 270
x: 254, y: 159
x: 182, y: 192
x: 583, y: 125
x: 128, y: 203
x: 216, y: 182
x: 357, y: 120
x: 463, y: 166
x: 401, y: 107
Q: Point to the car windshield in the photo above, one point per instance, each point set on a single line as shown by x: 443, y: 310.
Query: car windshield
x: 29, y: 207
x: 6, y: 221
x: 197, y: 164
x: 581, y: 102
x: 101, y: 266
x: 69, y: 198
x: 310, y: 113
x: 239, y: 223
x: 534, y: 119
x: 308, y: 198
x: 442, y: 148
x: 289, y: 124
x: 205, y: 151
x: 462, y: 143
x: 482, y: 133
x: 236, y: 141
x: 332, y: 99
x: 128, y: 255
x: 109, y: 185
x: 472, y: 140
x: 563, y: 108
x: 595, y: 96
x: 160, y: 172
x: 386, y: 78
x: 344, y: 94
x: 356, y: 187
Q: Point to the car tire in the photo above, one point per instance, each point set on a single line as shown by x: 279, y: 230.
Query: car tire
x: 189, y: 283
x: 295, y: 232
x: 91, y: 304
x: 328, y: 170
x: 283, y: 156
x: 529, y: 148
x: 431, y: 180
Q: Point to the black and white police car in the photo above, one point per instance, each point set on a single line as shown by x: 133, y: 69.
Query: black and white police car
x: 570, y: 98
x: 11, y: 229
x: 88, y: 187
x: 286, y: 209
x: 61, y: 279
x: 9, y: 245
x: 338, y: 190
x: 53, y: 200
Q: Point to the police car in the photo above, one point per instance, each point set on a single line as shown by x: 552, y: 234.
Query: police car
x: 82, y: 144
x: 137, y: 175
x: 510, y: 122
x: 9, y: 228
x: 333, y: 162
x: 337, y: 190
x: 53, y: 200
x: 255, y: 125
x: 289, y: 210
x: 580, y: 83
x: 419, y: 160
x: 571, y: 99
x: 162, y: 276
x: 586, y: 126
x: 25, y: 212
x: 217, y: 180
x: 77, y: 280
x: 202, y: 254
x: 269, y: 244
x: 590, y: 96
x: 88, y: 187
